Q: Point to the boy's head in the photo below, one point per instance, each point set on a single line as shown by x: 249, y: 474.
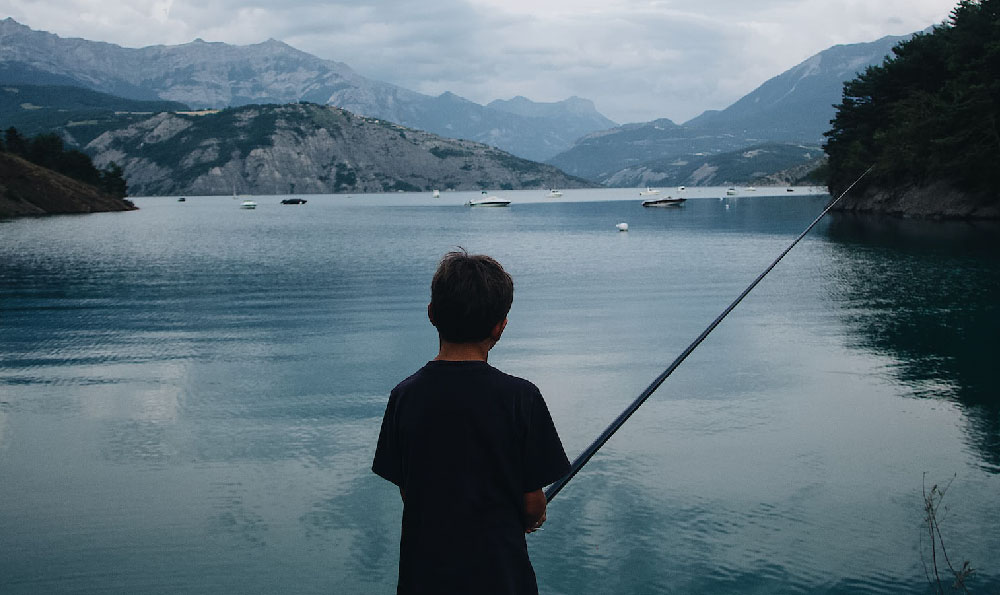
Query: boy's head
x: 470, y: 294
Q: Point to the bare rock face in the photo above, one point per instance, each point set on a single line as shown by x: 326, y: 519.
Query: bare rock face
x: 315, y: 149
x: 940, y: 200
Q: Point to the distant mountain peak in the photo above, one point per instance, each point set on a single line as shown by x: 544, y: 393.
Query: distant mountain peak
x: 577, y: 106
x: 205, y: 74
x: 10, y: 23
x: 275, y: 44
x: 797, y: 105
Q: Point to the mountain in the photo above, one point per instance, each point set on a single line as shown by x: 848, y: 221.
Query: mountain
x: 575, y: 116
x: 793, y: 107
x: 797, y: 105
x: 217, y: 75
x: 752, y: 164
x: 28, y: 189
x: 78, y: 114
x: 308, y: 147
x: 918, y: 135
x: 600, y: 155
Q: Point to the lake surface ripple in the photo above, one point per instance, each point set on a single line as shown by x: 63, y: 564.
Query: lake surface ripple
x: 190, y: 394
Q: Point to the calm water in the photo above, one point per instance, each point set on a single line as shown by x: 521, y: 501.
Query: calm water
x: 190, y: 394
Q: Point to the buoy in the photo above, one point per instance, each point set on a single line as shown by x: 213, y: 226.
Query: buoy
x: 622, y: 226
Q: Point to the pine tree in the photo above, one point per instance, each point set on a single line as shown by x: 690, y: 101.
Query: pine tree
x: 15, y: 142
x: 929, y: 113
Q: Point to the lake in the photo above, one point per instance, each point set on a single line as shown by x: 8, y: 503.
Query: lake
x: 190, y: 394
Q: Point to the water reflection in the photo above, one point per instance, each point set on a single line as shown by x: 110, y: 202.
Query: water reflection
x: 928, y: 293
x: 191, y: 406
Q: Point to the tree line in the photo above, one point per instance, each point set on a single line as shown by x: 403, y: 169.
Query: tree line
x: 48, y: 150
x: 927, y: 114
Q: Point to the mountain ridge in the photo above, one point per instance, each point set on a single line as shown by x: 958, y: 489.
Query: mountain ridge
x: 217, y: 75
x: 313, y: 148
x: 792, y: 107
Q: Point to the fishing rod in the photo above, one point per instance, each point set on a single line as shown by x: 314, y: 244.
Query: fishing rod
x: 606, y: 435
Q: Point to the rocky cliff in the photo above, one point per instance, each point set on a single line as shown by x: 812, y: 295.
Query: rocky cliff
x: 27, y: 189
x: 939, y: 200
x: 305, y: 148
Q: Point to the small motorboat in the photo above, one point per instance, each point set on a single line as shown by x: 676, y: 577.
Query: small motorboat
x: 488, y: 200
x: 294, y: 201
x: 750, y: 189
x: 182, y: 199
x: 664, y: 202
x: 436, y: 194
x: 622, y: 226
x: 649, y: 192
x: 789, y: 189
x: 681, y: 188
x: 731, y: 192
x: 554, y: 193
x: 248, y: 204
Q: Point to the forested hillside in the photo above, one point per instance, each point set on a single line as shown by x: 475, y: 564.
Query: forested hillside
x: 39, y: 177
x: 306, y: 148
x: 927, y: 122
x: 78, y: 115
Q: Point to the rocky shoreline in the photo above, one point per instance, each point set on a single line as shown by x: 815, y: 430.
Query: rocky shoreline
x: 939, y: 200
x: 29, y: 190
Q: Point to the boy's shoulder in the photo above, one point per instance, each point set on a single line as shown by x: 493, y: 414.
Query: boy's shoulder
x: 436, y: 372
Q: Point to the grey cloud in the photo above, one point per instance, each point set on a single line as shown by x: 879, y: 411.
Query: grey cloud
x: 637, y: 59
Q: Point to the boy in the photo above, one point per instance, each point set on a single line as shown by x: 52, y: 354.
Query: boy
x: 469, y: 446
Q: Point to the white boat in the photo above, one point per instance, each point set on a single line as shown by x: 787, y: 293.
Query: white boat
x: 681, y: 188
x: 751, y: 189
x: 248, y: 204
x: 436, y: 194
x: 649, y: 192
x: 622, y: 226
x: 489, y: 200
x: 664, y: 202
x: 554, y: 193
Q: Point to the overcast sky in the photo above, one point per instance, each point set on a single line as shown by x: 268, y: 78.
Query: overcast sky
x: 637, y: 60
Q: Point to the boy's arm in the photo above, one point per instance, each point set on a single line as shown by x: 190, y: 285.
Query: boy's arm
x: 534, y: 510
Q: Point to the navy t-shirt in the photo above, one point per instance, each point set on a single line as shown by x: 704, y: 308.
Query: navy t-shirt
x: 466, y: 442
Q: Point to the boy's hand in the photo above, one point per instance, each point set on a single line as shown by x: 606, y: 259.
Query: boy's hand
x: 534, y: 511
x: 537, y: 525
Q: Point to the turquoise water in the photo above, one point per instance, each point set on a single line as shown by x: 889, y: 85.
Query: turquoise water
x: 190, y: 394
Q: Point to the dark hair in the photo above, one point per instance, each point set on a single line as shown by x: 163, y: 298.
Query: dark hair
x: 470, y: 294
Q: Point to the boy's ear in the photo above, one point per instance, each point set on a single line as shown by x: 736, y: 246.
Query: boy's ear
x: 498, y: 330
x: 430, y: 315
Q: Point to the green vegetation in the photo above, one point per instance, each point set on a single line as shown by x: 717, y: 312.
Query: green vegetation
x: 396, y: 185
x: 345, y: 178
x: 36, y: 109
x: 515, y: 164
x: 231, y: 133
x: 758, y: 164
x: 445, y: 152
x: 47, y: 150
x: 929, y: 114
